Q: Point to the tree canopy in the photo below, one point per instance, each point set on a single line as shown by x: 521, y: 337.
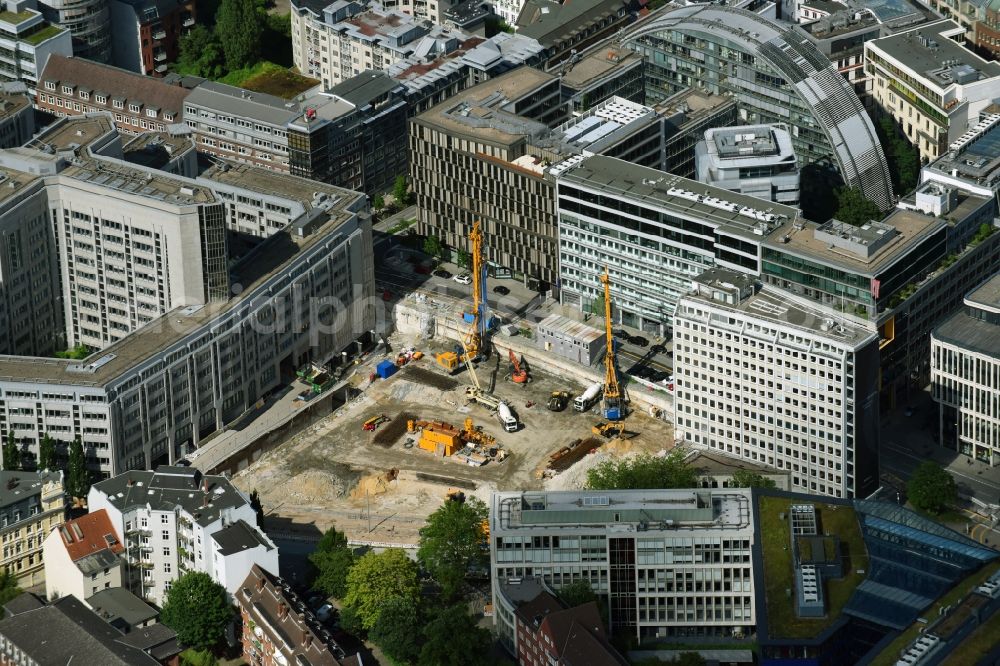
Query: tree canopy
x: 77, y: 474
x: 11, y: 453
x: 643, y: 471
x: 931, y: 488
x: 432, y: 246
x: 197, y: 609
x: 400, y: 191
x: 9, y: 589
x: 46, y: 453
x: 239, y: 27
x: 452, y: 638
x: 744, y: 478
x: 333, y: 559
x: 201, y: 53
x: 903, y: 158
x: 398, y: 629
x: 854, y: 209
x: 376, y: 578
x: 452, y: 541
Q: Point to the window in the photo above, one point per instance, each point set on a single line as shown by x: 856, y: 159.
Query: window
x: 134, y: 108
x: 165, y: 519
x: 118, y: 103
x: 166, y: 535
x: 151, y: 113
x: 67, y: 90
x: 100, y: 99
x: 84, y: 94
x: 50, y: 85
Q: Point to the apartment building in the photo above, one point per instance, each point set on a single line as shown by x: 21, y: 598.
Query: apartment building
x: 668, y: 562
x: 84, y: 556
x: 28, y: 40
x: 72, y: 86
x: 31, y: 504
x: 335, y: 41
x: 764, y: 377
x: 986, y: 29
x: 755, y: 160
x: 726, y: 50
x: 174, y: 519
x: 931, y: 84
x: 17, y: 118
x: 199, y: 354
x: 146, y: 34
x: 653, y: 232
x: 278, y: 627
x: 965, y: 375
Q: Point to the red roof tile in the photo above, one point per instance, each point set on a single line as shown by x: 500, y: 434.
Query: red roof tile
x: 89, y: 534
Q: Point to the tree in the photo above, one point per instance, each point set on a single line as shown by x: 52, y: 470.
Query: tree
x: 579, y: 593
x: 239, y: 27
x: 331, y: 540
x: 400, y: 191
x: 9, y: 588
x: 332, y: 559
x: 77, y: 474
x: 11, y: 453
x: 452, y: 541
x: 452, y: 638
x: 643, y: 471
x: 432, y: 246
x: 854, y: 209
x: 397, y: 631
x: 464, y: 259
x: 197, y: 609
x: 200, y: 53
x: 191, y: 657
x: 46, y: 453
x: 743, y: 478
x: 597, y: 305
x: 257, y: 507
x: 379, y: 202
x: 931, y: 488
x: 376, y: 578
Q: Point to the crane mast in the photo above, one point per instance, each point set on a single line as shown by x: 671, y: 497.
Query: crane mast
x: 475, y: 339
x: 613, y: 407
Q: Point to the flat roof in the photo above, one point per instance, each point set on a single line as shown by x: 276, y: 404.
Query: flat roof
x: 243, y: 103
x: 550, y: 22
x: 271, y: 183
x: 156, y: 149
x: 238, y: 537
x: 974, y: 156
x: 986, y: 295
x: 74, y: 130
x: 598, y: 63
x: 118, y: 602
x: 11, y: 103
x: 925, y: 49
x: 364, y: 88
x: 970, y: 333
x: 571, y: 328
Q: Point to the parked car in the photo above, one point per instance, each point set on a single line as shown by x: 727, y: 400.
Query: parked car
x: 500, y: 289
x: 464, y: 278
x: 639, y: 341
x: 442, y: 273
x: 324, y: 613
x: 620, y: 333
x: 658, y: 349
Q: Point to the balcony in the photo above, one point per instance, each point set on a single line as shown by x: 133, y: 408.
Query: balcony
x: 159, y: 33
x: 188, y: 22
x: 159, y: 69
x: 160, y: 56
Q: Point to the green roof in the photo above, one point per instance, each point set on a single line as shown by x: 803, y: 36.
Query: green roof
x: 43, y: 34
x: 17, y: 17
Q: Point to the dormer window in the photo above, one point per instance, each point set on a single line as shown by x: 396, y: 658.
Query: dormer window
x: 67, y: 90
x: 134, y: 108
x: 50, y: 85
x: 84, y: 95
x: 101, y: 99
x: 118, y: 104
x: 151, y: 113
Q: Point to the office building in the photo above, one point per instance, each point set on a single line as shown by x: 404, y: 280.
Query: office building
x: 565, y: 29
x: 146, y: 34
x: 972, y: 162
x: 278, y: 627
x: 64, y: 631
x: 293, y: 244
x: 334, y: 41
x: 965, y: 375
x: 668, y: 562
x: 75, y: 86
x: 686, y: 117
x: 31, y: 504
x: 17, y: 118
x: 602, y: 72
x: 29, y: 41
x: 654, y: 232
x: 174, y: 520
x: 83, y: 556
x: 762, y: 376
x: 727, y: 50
x: 930, y: 84
x: 89, y: 22
x: 755, y: 160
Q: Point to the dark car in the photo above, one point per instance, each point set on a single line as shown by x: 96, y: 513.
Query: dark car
x: 639, y: 341
x: 500, y: 289
x: 620, y: 333
x: 442, y: 273
x: 658, y: 349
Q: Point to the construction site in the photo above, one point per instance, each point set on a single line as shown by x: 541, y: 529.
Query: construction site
x: 436, y: 414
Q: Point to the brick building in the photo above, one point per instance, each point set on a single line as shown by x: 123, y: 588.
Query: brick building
x: 146, y: 34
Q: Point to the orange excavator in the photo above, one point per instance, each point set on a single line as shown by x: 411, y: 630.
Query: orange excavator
x: 519, y: 369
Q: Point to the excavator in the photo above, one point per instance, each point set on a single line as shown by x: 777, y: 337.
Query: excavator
x: 613, y: 407
x: 519, y: 369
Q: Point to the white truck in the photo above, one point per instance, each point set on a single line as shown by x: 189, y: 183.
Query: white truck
x: 506, y: 417
x: 586, y: 400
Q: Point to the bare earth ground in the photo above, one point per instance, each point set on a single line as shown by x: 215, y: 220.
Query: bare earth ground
x: 334, y: 473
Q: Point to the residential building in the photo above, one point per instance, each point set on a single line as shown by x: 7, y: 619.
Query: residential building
x: 789, y: 385
x: 28, y: 42
x: 334, y: 41
x: 64, y: 631
x: 755, y: 160
x: 550, y: 633
x: 83, y: 556
x: 931, y: 84
x: 965, y: 375
x: 75, y: 86
x: 198, y: 353
x: 986, y: 29
x: 31, y: 504
x: 122, y: 609
x: 653, y: 232
x: 567, y: 28
x: 668, y: 562
x: 278, y: 627
x: 726, y: 50
x: 17, y: 118
x: 508, y: 10
x: 567, y: 338
x: 146, y: 34
x: 171, y: 519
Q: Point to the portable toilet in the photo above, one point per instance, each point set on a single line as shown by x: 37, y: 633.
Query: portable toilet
x: 386, y: 369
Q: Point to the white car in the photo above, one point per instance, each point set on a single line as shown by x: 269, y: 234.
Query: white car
x: 464, y: 278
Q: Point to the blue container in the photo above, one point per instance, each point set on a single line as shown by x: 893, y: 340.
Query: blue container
x: 386, y: 369
x: 613, y: 414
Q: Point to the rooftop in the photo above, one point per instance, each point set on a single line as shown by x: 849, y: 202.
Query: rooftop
x: 158, y: 640
x: 12, y: 103
x: 155, y: 150
x: 749, y: 141
x: 930, y: 51
x: 72, y: 131
x: 117, y: 604
x: 364, y: 88
x: 204, y: 497
x: 975, y: 156
x: 238, y: 537
x: 284, y: 186
x: 571, y: 328
x: 970, y: 333
x: 986, y: 296
x: 598, y: 63
x: 242, y: 103
x: 114, y: 83
x: 90, y: 534
x: 551, y: 22
x: 17, y: 486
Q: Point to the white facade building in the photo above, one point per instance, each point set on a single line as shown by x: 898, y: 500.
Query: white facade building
x: 28, y: 41
x: 965, y: 375
x: 171, y: 519
x: 82, y: 557
x: 666, y: 561
x: 768, y: 378
x: 755, y: 160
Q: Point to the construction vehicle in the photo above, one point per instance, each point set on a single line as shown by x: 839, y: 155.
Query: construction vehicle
x: 519, y: 369
x: 476, y: 393
x: 475, y: 340
x: 374, y: 422
x: 609, y: 429
x: 450, y: 360
x: 586, y: 400
x: 506, y: 417
x: 613, y: 408
x: 474, y: 435
x: 316, y: 376
x: 558, y: 401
